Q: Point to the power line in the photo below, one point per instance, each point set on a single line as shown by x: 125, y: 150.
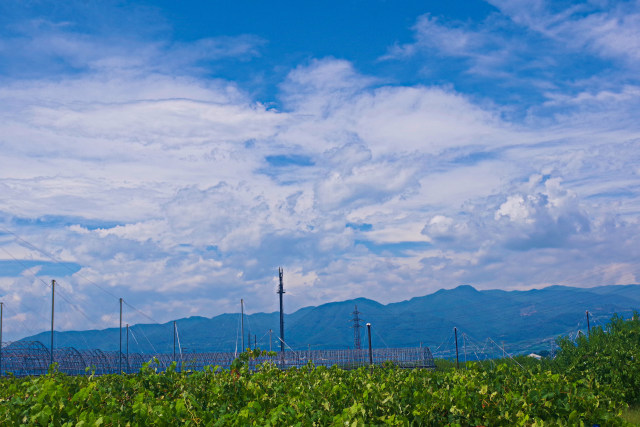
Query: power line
x: 57, y: 261
x: 140, y: 312
x: 28, y: 269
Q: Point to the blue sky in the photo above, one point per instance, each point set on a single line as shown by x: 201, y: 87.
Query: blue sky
x: 176, y: 153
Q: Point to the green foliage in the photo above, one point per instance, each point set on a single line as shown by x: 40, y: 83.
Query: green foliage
x: 588, y: 383
x: 242, y: 363
x: 445, y: 364
x: 505, y: 395
x: 610, y: 356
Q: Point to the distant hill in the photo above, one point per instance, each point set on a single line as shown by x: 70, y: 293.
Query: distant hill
x: 524, y: 320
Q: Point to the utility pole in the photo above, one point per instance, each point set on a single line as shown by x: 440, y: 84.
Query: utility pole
x: 120, y: 352
x: 455, y: 331
x: 174, y: 340
x: 255, y: 341
x: 281, y: 292
x: 53, y: 298
x: 588, y: 326
x: 242, y: 323
x: 370, y: 350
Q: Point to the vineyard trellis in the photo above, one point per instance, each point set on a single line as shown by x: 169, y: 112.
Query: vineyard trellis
x: 23, y: 358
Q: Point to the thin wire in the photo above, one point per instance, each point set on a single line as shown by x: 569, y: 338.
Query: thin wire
x: 81, y: 335
x: 64, y: 265
x: 135, y: 339
x: 265, y: 334
x: 508, y: 354
x: 474, y: 344
x: 248, y: 324
x: 145, y: 337
x: 179, y: 346
x: 471, y: 345
x: 140, y: 312
x: 57, y: 261
x: 443, y: 341
x: 24, y: 326
x: 381, y: 339
x: 38, y: 313
x: 61, y: 293
x: 294, y: 352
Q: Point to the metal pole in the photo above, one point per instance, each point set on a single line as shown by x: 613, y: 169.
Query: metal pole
x: 174, y: 340
x: 1, y: 314
x: 281, y: 292
x: 588, y: 327
x: 455, y: 331
x: 255, y: 341
x: 53, y: 298
x: 242, y: 323
x: 120, y: 352
x: 370, y: 350
x: 127, y: 348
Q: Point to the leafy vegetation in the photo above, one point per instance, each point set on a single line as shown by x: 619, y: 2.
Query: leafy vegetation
x: 609, y: 356
x: 590, y: 382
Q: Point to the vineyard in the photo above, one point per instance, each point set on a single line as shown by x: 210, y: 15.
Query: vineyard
x: 591, y: 381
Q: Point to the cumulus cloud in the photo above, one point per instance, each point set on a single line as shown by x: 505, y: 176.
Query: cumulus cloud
x: 548, y: 218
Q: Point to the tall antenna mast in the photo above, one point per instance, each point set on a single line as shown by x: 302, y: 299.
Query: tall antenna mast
x: 356, y: 328
x: 281, y: 292
x: 120, y: 352
x: 53, y: 299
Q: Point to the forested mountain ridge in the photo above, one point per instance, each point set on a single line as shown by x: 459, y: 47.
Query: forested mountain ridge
x: 523, y: 320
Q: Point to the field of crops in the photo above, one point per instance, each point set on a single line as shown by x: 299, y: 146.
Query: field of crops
x: 590, y: 382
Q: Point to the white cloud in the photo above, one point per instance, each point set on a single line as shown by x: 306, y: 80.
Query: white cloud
x: 515, y: 209
x: 609, y: 31
x: 431, y: 34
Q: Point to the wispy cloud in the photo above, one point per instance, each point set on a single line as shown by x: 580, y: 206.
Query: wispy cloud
x: 455, y: 40
x: 609, y: 29
x: 531, y: 51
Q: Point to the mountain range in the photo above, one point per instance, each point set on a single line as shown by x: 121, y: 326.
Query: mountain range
x: 516, y: 321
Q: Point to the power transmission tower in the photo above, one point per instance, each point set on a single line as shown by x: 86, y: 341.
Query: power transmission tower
x: 356, y: 328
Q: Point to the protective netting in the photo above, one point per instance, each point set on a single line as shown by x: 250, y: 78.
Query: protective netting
x: 22, y: 358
